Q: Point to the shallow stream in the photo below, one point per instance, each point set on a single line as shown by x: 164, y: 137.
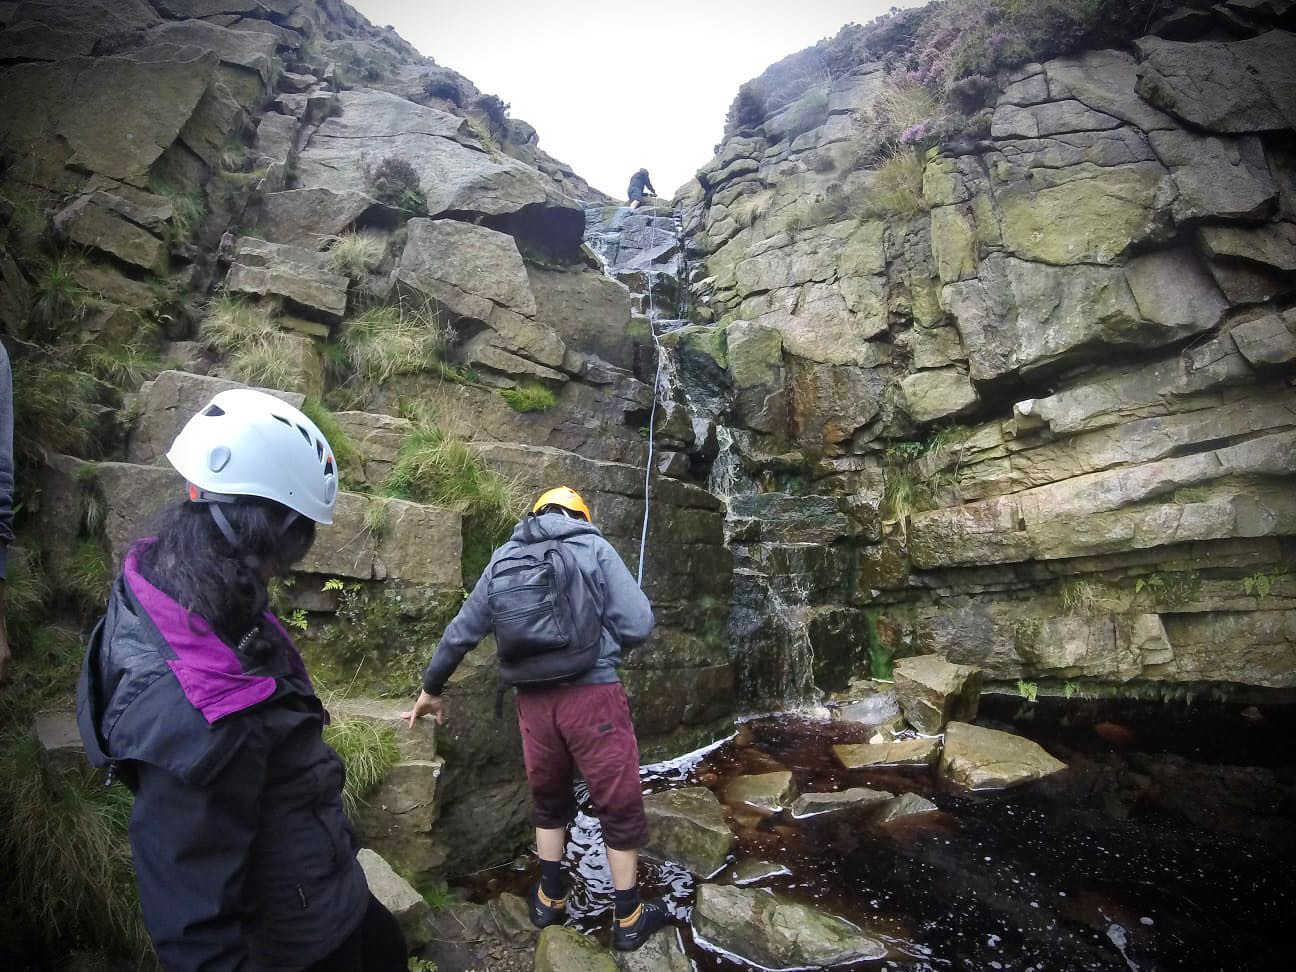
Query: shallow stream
x: 1170, y: 843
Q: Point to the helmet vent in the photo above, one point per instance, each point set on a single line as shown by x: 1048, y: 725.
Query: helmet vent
x: 304, y: 434
x: 328, y: 466
x: 319, y: 450
x: 280, y: 418
x: 215, y: 411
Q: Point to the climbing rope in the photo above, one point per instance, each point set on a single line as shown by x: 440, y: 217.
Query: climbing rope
x: 652, y: 424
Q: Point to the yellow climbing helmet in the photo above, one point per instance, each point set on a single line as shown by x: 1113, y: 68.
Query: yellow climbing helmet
x: 567, y: 498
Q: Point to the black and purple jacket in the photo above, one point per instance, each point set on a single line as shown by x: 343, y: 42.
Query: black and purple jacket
x: 243, y: 856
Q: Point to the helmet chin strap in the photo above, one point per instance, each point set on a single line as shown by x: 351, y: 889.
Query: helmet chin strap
x: 215, y: 503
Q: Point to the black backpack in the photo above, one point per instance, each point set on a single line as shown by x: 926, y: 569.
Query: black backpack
x: 547, y: 615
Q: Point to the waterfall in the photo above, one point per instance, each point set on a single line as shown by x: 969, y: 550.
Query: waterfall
x: 771, y: 629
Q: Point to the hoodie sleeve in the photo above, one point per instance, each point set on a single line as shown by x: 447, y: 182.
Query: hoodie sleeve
x: 627, y: 614
x: 462, y: 635
x: 191, y: 846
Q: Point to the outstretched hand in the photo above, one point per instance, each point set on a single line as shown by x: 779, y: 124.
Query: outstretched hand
x: 425, y: 705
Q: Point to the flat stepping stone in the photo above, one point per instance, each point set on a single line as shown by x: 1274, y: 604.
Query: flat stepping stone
x: 766, y: 791
x: 688, y: 826
x: 774, y: 932
x: 856, y: 798
x: 905, y: 805
x: 981, y: 758
x: 903, y: 752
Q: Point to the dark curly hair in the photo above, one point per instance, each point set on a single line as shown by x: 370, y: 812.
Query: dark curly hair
x: 190, y: 560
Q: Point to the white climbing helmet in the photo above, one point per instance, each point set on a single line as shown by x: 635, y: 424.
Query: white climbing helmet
x: 248, y: 443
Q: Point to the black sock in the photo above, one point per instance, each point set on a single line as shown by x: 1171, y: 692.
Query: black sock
x: 551, y: 882
x: 627, y: 902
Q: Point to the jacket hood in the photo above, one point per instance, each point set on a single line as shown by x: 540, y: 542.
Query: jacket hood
x: 552, y: 526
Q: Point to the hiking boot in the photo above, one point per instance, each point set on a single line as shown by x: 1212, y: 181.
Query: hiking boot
x: 632, y: 931
x: 546, y: 911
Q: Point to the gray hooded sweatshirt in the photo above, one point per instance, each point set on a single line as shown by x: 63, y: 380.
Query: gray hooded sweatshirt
x: 627, y: 615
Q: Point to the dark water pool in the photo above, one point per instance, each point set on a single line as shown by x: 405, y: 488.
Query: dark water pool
x: 1170, y: 843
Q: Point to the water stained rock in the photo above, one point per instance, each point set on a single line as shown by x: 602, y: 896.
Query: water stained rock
x: 775, y: 933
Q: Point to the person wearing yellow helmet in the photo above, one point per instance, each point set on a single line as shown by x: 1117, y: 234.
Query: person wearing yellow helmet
x: 562, y: 606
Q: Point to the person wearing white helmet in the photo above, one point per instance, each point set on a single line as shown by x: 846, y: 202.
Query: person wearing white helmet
x: 193, y: 694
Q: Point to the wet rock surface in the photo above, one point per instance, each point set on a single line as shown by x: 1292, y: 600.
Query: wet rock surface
x: 774, y: 933
x: 979, y: 758
x: 688, y: 826
x: 931, y: 692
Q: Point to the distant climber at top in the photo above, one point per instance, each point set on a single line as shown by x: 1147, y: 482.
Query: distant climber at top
x: 639, y: 182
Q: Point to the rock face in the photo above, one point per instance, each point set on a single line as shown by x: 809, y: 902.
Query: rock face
x: 981, y: 758
x: 775, y: 933
x: 931, y: 692
x: 398, y: 897
x: 1034, y: 350
x: 688, y: 826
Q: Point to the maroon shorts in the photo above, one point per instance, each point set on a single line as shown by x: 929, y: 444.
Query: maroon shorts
x: 583, y: 728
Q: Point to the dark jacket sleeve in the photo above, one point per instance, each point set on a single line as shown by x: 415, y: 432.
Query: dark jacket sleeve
x: 6, y: 459
x: 627, y: 613
x: 462, y: 635
x: 191, y: 846
x: 649, y: 186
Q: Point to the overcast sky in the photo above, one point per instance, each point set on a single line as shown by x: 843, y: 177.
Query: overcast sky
x: 612, y: 85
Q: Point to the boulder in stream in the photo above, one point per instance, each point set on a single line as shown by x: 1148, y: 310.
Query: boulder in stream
x: 933, y: 691
x: 563, y: 949
x: 902, y: 752
x: 982, y: 758
x: 688, y: 826
x: 856, y: 798
x: 664, y: 952
x: 905, y: 805
x: 766, y: 791
x: 774, y: 932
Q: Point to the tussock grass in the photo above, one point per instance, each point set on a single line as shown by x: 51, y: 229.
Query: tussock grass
x: 368, y: 751
x: 897, y: 186
x: 902, y: 104
x: 88, y: 575
x: 259, y: 352
x: 355, y: 255
x: 529, y: 397
x: 125, y: 366
x: 387, y: 341
x: 68, y: 872
x: 271, y: 362
x: 1080, y: 596
x: 60, y: 409
x: 231, y: 324
x: 57, y: 299
x: 188, y: 210
x: 433, y: 467
x: 749, y: 210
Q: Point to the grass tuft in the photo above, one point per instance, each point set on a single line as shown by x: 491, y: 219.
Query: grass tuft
x: 60, y: 409
x: 387, y: 341
x: 355, y: 255
x: 529, y: 397
x: 57, y: 299
x: 68, y: 872
x: 368, y: 750
x: 433, y: 467
x: 259, y: 352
